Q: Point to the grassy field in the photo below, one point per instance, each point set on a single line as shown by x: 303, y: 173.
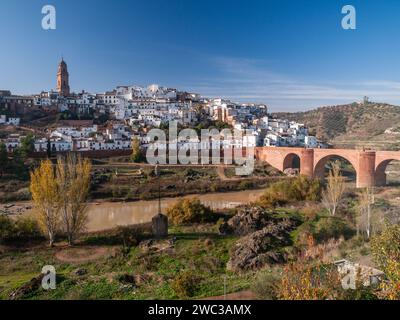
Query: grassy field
x: 198, y: 249
x: 99, y: 267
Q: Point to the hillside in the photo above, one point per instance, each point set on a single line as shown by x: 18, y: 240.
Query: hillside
x: 371, y: 125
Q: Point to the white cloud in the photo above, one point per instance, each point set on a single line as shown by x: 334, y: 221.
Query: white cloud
x: 251, y: 80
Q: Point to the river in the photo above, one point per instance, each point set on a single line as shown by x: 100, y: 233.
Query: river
x: 107, y: 215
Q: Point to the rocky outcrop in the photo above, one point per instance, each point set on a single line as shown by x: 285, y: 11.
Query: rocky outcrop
x: 79, y: 272
x: 28, y: 288
x: 252, y: 219
x: 265, y: 236
x: 290, y: 172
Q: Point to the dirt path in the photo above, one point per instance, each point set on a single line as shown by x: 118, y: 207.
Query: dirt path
x: 83, y: 254
x: 241, y: 295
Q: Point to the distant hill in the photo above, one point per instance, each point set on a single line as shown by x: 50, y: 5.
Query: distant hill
x: 370, y: 125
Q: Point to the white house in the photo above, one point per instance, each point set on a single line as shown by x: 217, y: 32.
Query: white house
x: 310, y: 142
x: 56, y: 145
x: 12, y: 142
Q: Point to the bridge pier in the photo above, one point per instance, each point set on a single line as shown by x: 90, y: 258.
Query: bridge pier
x: 366, y: 169
x: 307, y: 162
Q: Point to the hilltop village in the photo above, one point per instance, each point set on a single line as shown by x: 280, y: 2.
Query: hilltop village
x: 110, y: 120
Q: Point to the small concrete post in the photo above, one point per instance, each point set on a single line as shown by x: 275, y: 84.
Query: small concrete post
x: 159, y: 226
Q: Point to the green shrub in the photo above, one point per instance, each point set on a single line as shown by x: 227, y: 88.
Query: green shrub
x: 245, y: 185
x: 185, y: 284
x: 332, y: 228
x: 129, y: 237
x: 364, y: 251
x: 300, y: 188
x: 361, y: 293
x: 385, y: 249
x: 7, y: 228
x: 219, y: 223
x: 189, y: 211
x: 386, y: 245
x: 266, y: 286
x: 18, y: 230
x: 26, y: 228
x: 214, y: 187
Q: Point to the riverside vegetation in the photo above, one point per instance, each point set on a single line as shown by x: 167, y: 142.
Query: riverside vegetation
x: 292, y: 234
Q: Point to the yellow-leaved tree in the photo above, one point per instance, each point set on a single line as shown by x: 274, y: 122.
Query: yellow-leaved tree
x: 385, y: 248
x: 310, y: 277
x: 136, y: 155
x: 46, y: 197
x: 73, y: 183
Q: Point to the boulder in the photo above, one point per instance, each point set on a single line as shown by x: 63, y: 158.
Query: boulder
x: 252, y: 219
x: 265, y: 237
x: 127, y: 279
x: 27, y: 288
x: 291, y: 172
x: 146, y: 245
x: 79, y: 272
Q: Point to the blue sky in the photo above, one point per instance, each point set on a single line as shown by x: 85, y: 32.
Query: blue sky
x: 292, y: 55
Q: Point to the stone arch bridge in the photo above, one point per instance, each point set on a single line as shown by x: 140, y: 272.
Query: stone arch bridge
x: 369, y: 165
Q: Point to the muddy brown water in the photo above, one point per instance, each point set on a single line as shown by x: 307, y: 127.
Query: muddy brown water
x: 108, y: 215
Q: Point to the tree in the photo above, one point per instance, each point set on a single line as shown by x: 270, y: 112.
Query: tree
x: 27, y: 145
x: 300, y: 188
x: 386, y: 252
x: 48, y: 149
x: 136, y: 151
x: 3, y: 158
x: 366, y: 199
x: 73, y: 183
x: 310, y: 277
x: 18, y: 164
x: 45, y: 195
x: 333, y: 194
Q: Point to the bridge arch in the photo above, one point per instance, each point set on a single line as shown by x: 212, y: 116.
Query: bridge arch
x: 380, y: 172
x: 319, y: 167
x: 292, y: 160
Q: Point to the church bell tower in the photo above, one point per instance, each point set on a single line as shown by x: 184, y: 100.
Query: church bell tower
x: 63, y: 79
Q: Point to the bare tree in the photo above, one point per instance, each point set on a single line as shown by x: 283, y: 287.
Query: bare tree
x: 366, y: 200
x: 333, y: 193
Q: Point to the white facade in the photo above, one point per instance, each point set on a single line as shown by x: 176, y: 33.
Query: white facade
x: 12, y: 142
x: 56, y: 145
x: 310, y: 142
